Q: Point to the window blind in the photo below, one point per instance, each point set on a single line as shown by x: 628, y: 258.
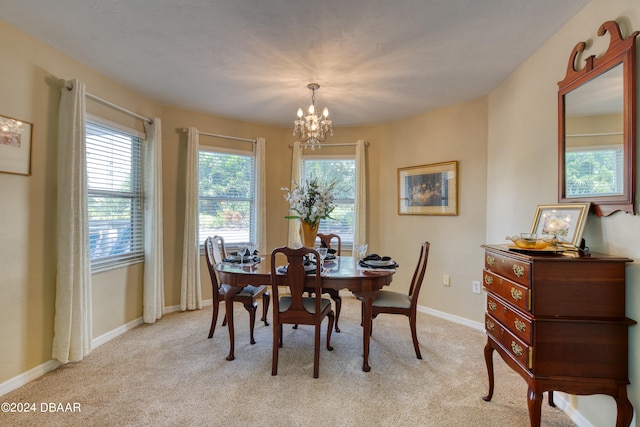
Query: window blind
x: 115, y: 196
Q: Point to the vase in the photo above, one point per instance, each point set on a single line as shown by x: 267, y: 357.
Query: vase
x: 308, y: 233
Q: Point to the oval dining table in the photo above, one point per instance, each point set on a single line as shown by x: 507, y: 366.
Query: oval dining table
x: 341, y: 273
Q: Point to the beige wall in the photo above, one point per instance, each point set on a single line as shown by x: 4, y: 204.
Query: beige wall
x: 505, y: 145
x: 522, y: 167
x: 454, y: 133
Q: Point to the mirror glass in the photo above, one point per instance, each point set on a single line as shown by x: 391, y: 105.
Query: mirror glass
x: 594, y: 131
x: 597, y: 125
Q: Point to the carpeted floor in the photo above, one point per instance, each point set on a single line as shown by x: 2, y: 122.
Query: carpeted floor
x: 170, y: 374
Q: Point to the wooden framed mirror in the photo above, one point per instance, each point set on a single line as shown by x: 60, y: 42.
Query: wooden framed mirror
x: 597, y: 126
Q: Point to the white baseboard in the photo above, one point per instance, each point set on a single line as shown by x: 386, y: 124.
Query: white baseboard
x: 97, y: 342
x: 27, y: 377
x: 452, y: 318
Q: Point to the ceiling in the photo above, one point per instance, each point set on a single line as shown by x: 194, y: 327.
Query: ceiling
x: 375, y: 60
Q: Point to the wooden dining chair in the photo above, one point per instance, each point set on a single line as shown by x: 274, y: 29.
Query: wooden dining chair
x: 391, y: 302
x: 214, y: 253
x: 296, y: 308
x: 325, y: 240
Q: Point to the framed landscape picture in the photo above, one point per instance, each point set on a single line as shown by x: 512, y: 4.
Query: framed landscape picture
x: 15, y: 146
x: 428, y: 189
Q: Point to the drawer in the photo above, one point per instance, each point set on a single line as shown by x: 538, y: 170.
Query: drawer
x: 512, y: 269
x: 518, y: 350
x: 512, y: 292
x: 513, y: 320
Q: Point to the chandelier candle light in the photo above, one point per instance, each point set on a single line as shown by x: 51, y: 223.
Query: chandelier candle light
x: 311, y: 201
x: 312, y: 129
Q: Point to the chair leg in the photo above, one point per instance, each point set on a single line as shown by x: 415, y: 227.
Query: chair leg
x: 214, y: 319
x: 316, y: 352
x: 224, y: 321
x: 266, y: 298
x: 329, y: 329
x: 251, y: 308
x: 274, y: 357
x: 338, y: 300
x: 280, y: 341
x: 414, y: 335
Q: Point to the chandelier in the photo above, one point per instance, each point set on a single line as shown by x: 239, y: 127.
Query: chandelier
x: 312, y: 129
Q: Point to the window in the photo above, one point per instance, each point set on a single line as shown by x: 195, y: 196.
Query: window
x: 342, y: 170
x: 116, y: 228
x: 594, y: 171
x: 226, y: 191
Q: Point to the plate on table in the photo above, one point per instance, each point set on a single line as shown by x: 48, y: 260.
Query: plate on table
x: 380, y: 263
x: 236, y: 258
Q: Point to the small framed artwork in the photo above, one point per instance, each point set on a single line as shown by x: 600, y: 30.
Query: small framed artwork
x: 15, y: 146
x: 564, y: 221
x: 428, y: 189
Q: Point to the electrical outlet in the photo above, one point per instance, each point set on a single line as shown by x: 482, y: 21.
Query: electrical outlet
x: 446, y: 281
x: 475, y: 287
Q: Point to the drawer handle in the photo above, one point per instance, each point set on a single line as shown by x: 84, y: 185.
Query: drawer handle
x: 517, y: 350
x: 516, y: 294
x: 488, y: 280
x: 491, y: 260
x: 518, y: 270
x: 490, y: 325
x: 520, y: 325
x: 492, y: 306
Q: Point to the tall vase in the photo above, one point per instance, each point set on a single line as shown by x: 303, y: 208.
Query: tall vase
x: 308, y: 234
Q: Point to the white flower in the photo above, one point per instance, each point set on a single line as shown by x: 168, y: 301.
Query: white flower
x: 311, y: 201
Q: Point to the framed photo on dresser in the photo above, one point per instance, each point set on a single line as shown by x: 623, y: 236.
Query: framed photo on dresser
x: 565, y: 221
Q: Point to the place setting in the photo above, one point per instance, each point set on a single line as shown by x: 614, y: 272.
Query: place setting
x: 309, y: 263
x: 374, y: 261
x: 247, y: 254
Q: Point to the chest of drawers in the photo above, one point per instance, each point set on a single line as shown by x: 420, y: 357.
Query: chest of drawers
x: 559, y: 321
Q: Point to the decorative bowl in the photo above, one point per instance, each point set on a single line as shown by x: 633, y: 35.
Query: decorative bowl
x: 531, y: 241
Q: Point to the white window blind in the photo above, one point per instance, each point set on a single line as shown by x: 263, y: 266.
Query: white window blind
x: 594, y: 171
x: 115, y: 198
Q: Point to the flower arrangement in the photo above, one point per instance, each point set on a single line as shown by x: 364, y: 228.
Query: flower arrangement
x: 311, y: 200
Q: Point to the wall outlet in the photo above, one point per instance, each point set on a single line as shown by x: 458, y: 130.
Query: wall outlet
x: 446, y: 280
x: 475, y: 286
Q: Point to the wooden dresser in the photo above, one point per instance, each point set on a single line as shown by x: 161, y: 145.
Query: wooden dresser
x: 559, y: 321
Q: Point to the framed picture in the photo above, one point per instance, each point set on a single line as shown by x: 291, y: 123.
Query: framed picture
x: 428, y: 190
x: 564, y: 221
x: 15, y: 146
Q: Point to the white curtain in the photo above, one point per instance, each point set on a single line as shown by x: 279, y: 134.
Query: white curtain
x: 153, y: 292
x: 72, y: 322
x: 296, y: 177
x: 260, y: 222
x: 190, y: 290
x: 360, y: 223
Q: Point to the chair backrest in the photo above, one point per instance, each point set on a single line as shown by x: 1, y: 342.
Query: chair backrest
x: 418, y: 274
x: 219, y: 252
x: 326, y: 239
x: 210, y: 249
x: 295, y: 279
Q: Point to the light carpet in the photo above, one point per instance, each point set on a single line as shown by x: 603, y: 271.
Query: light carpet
x: 170, y: 374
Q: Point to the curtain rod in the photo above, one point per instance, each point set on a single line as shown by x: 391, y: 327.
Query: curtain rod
x: 110, y: 104
x: 337, y: 144
x: 215, y: 135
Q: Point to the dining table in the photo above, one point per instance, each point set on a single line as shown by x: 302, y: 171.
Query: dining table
x: 343, y: 272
